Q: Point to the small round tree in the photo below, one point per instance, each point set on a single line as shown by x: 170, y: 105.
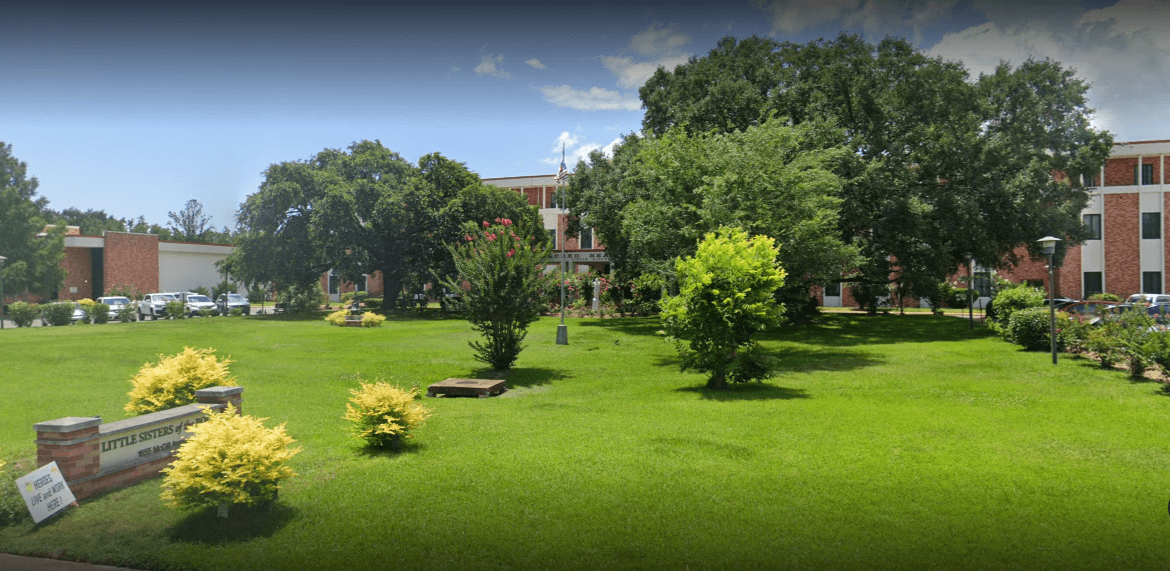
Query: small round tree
x: 725, y: 297
x: 498, y: 269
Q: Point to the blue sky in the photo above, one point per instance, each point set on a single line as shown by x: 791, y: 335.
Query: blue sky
x: 137, y: 108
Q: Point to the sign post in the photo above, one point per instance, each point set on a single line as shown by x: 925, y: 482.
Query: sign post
x: 45, y: 492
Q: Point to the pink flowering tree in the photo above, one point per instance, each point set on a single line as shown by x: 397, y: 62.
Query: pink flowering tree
x: 499, y: 275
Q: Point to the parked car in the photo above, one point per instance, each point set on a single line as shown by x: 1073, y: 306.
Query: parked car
x: 1148, y: 298
x: 1090, y: 311
x: 116, y: 303
x: 154, y: 305
x: 78, y: 312
x: 229, y: 301
x: 193, y: 303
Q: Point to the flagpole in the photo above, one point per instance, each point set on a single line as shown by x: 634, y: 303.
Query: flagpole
x: 562, y: 330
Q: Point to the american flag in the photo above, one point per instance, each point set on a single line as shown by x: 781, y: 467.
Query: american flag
x: 563, y: 172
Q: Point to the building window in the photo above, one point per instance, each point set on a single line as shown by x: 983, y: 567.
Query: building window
x: 334, y: 282
x: 1151, y: 282
x: 983, y: 283
x: 833, y: 290
x: 1093, y: 284
x: 1151, y: 225
x: 365, y: 283
x: 1093, y: 226
x: 586, y: 240
x: 1147, y: 174
x: 552, y: 237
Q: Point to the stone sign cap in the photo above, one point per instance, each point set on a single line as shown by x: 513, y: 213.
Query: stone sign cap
x: 219, y: 391
x: 68, y: 424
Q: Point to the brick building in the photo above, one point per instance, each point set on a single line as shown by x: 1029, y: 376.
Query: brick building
x: 1127, y: 252
x: 583, y: 252
x: 142, y: 262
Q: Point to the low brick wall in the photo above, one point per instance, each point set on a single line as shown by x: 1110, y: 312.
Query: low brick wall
x: 96, y: 457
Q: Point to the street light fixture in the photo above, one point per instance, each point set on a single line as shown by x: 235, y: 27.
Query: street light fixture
x: 1049, y: 244
x: 970, y: 285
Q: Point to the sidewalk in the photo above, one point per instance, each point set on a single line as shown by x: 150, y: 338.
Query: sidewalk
x: 20, y: 563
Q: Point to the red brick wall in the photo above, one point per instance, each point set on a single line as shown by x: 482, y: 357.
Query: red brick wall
x: 1068, y: 275
x: 1120, y: 226
x: 1119, y: 172
x: 131, y: 261
x: 77, y: 274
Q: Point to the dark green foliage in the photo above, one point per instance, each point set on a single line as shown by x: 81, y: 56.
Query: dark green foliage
x: 956, y: 297
x: 175, y: 310
x: 645, y: 293
x: 23, y: 313
x: 303, y: 298
x: 946, y: 164
x: 374, y: 304
x: 201, y: 290
x: 499, y: 275
x: 1009, y: 301
x: 128, y: 314
x: 869, y: 296
x: 1030, y: 327
x: 99, y: 313
x: 59, y: 313
x: 221, y: 288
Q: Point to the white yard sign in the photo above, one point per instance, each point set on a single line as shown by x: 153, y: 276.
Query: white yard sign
x: 45, y: 492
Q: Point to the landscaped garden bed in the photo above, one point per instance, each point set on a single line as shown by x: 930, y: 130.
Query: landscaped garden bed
x: 881, y: 442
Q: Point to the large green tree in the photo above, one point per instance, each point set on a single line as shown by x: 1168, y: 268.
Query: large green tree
x: 362, y: 210
x: 770, y: 179
x: 34, y: 257
x: 948, y: 164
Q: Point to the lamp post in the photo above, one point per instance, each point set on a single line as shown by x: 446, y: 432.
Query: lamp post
x: 970, y: 285
x: 1049, y: 244
x: 562, y: 330
x: 2, y: 260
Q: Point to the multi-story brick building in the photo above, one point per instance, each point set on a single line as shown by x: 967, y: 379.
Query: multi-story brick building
x: 1127, y: 252
x: 583, y: 252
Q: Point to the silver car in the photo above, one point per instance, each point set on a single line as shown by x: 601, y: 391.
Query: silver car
x: 117, y: 303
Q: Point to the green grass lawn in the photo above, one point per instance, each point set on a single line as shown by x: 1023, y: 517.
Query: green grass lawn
x: 883, y: 442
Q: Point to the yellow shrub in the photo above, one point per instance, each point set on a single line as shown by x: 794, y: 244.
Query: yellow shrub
x: 229, y: 459
x: 173, y: 380
x: 381, y: 411
x: 86, y: 304
x: 337, y: 318
x: 372, y: 320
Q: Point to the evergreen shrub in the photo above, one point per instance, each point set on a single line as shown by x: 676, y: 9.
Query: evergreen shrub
x: 173, y: 380
x: 99, y: 312
x: 229, y: 459
x: 23, y: 313
x: 382, y: 413
x: 1030, y: 327
x: 371, y: 319
x: 175, y: 310
x: 58, y: 313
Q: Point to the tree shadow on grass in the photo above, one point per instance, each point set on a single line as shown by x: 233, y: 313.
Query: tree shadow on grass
x: 747, y: 391
x: 834, y: 330
x: 242, y: 524
x: 525, y: 377
x: 795, y: 360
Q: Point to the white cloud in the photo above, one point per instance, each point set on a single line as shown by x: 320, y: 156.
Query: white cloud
x: 659, y: 41
x: 1121, y: 50
x: 487, y: 66
x: 535, y: 63
x: 576, y: 151
x: 595, y: 99
x: 632, y: 74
